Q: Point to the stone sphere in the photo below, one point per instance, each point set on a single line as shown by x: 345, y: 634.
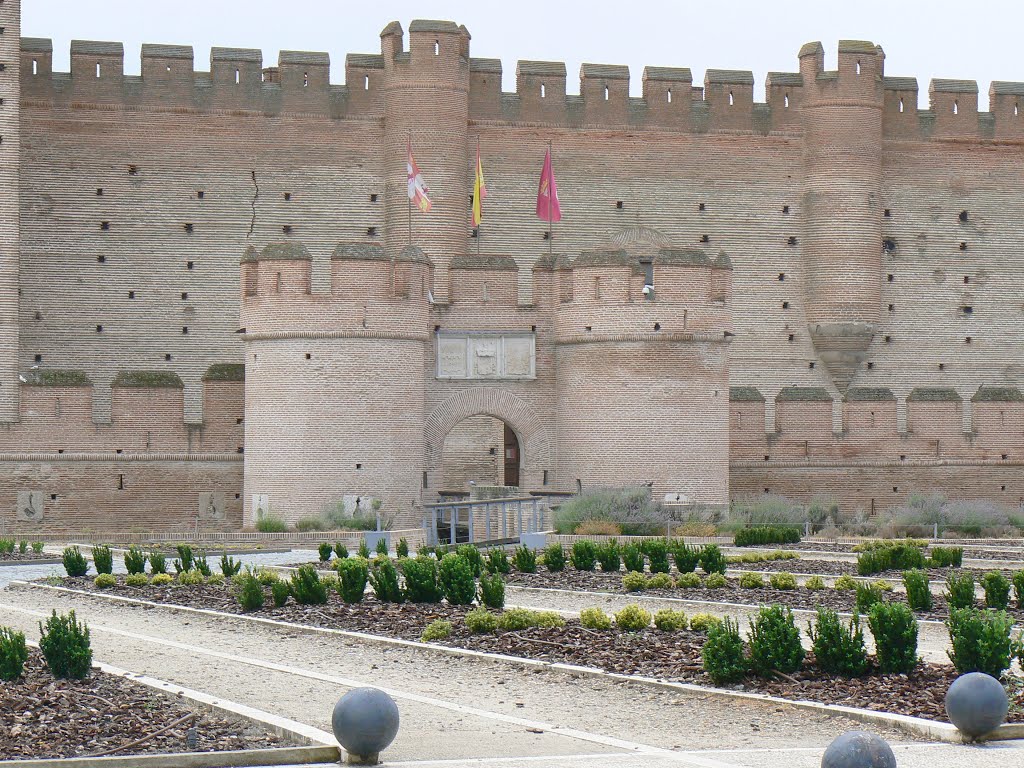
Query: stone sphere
x: 365, y: 721
x: 858, y: 749
x: 976, y: 704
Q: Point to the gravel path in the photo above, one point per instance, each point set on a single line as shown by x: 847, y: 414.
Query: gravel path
x: 430, y: 730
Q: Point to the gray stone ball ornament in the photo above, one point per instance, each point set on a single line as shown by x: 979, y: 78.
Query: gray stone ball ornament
x: 365, y: 722
x: 858, y: 749
x: 976, y: 704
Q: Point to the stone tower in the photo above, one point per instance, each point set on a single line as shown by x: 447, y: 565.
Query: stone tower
x: 842, y: 238
x: 10, y: 212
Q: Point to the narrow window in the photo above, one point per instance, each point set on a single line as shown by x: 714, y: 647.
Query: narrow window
x: 287, y: 195
x: 190, y: 265
x: 373, y: 198
x: 188, y: 228
x: 99, y: 329
x: 545, y: 479
x: 424, y: 479
x: 901, y: 105
x: 963, y: 246
x: 785, y: 305
x: 731, y: 99
x: 887, y: 213
x: 305, y: 79
x: 38, y: 358
x: 131, y: 294
x: 371, y: 231
x: 184, y: 329
x: 966, y: 279
x: 870, y: 366
x: 889, y: 278
x: 792, y: 337
x: 184, y: 295
x: 104, y: 225
x: 98, y: 70
x: 120, y: 481
x: 606, y: 93
x: 701, y: 207
x: 857, y: 69
x: 785, y: 101
x: 101, y: 259
x: 35, y: 67
x: 967, y: 309
x: 597, y: 287
x: 1016, y: 110
x: 791, y: 241
x: 437, y: 48
x: 782, y: 276
x: 200, y: 194
x: 888, y: 339
x: 618, y: 204
x: 99, y: 191
x: 366, y: 82
x: 967, y: 340
x: 167, y: 357
x: 956, y: 107
x: 277, y: 282
x: 287, y: 229
x: 785, y: 209
x: 543, y: 91
x: 669, y: 95
x: 963, y: 217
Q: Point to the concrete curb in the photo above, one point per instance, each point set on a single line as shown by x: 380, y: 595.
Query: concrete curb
x: 23, y: 563
x: 930, y: 729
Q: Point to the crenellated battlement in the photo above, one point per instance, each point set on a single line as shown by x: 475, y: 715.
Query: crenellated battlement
x: 238, y: 80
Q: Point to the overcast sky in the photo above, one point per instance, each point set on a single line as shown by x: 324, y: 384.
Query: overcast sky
x: 966, y: 40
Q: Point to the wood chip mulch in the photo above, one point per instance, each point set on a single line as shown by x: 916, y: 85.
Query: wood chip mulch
x: 42, y: 717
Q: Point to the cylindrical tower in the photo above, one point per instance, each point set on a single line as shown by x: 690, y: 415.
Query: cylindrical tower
x: 842, y: 209
x: 334, y: 384
x: 643, y: 376
x: 426, y: 103
x: 10, y: 208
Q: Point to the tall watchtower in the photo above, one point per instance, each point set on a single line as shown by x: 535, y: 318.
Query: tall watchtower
x: 10, y: 212
x: 842, y: 118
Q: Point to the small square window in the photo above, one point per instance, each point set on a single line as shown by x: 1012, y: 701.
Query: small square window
x: 618, y: 204
x: 791, y: 241
x: 887, y: 213
x: 38, y: 358
x: 287, y: 229
x: 785, y: 209
x: 705, y: 239
x: 189, y: 228
x: 371, y: 231
x: 184, y: 295
x: 785, y: 305
x: 133, y: 170
x: 101, y: 259
x: 287, y: 195
x: 184, y: 329
x: 99, y: 191
x: 792, y: 337
x: 99, y: 329
x: 167, y: 357
x: 190, y: 265
x: 200, y: 194
x: 131, y: 294
x: 701, y: 207
x: 309, y: 356
x: 810, y: 365
x: 373, y: 197
x: 104, y: 225
x: 782, y: 276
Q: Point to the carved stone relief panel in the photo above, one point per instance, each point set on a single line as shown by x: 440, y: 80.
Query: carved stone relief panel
x: 30, y: 506
x: 486, y: 356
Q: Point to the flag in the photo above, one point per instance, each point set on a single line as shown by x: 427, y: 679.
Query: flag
x: 479, y: 191
x: 418, y: 191
x: 547, y: 194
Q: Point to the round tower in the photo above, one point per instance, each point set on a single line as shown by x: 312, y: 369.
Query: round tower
x: 642, y: 372
x: 334, y: 383
x: 842, y: 210
x: 426, y: 105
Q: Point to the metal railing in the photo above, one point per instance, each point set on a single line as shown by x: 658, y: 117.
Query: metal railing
x: 484, y: 519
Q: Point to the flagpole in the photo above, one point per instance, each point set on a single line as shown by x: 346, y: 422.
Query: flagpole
x: 476, y: 170
x: 408, y: 154
x: 551, y: 192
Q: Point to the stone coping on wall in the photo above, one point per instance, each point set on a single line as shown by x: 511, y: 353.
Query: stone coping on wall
x: 804, y: 394
x: 997, y: 395
x: 934, y: 395
x: 745, y: 395
x: 56, y: 377
x: 862, y: 394
x: 225, y: 372
x: 148, y: 380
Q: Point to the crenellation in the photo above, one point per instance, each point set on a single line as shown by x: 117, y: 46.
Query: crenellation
x: 954, y: 104
x: 540, y: 86
x: 668, y: 93
x: 485, y: 96
x: 605, y: 92
x: 729, y: 94
x: 783, y: 94
x: 899, y: 108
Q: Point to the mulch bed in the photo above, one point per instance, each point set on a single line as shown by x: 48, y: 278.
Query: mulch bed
x: 42, y: 717
x: 668, y: 656
x: 27, y: 557
x: 839, y: 568
x: 972, y: 551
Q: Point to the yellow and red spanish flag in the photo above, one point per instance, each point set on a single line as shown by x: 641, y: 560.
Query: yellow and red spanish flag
x: 419, y: 194
x: 479, y: 190
x: 547, y: 193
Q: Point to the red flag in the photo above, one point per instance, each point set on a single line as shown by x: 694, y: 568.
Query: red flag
x: 418, y: 192
x: 547, y: 193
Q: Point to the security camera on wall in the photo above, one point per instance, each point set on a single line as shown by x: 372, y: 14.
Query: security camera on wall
x: 648, y: 290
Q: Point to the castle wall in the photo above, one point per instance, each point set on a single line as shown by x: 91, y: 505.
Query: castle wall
x: 474, y: 450
x: 10, y: 206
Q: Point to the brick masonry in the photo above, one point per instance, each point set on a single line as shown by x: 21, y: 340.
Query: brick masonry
x: 835, y: 310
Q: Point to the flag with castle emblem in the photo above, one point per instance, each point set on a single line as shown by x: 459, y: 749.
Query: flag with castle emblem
x: 479, y: 190
x: 419, y: 194
x: 547, y: 194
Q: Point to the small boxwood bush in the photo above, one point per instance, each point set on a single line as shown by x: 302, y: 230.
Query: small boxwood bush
x: 497, y: 561
x: 689, y: 580
x: 702, y: 622
x: 280, y: 592
x: 325, y: 551
x: 751, y: 581
x: 668, y: 620
x: 353, y: 573
x: 657, y: 555
x: 868, y: 595
x: 767, y: 534
x: 266, y: 576
x: 687, y: 558
x: 438, y: 629
x: 947, y: 557
x: 716, y: 581
x: 455, y: 576
x: 660, y: 581
x: 775, y: 641
x: 229, y: 566
x: 249, y: 591
x: 845, y: 583
x: 384, y: 581
x: 997, y: 590
x: 13, y: 654
x: 471, y: 555
x: 340, y: 551
x: 162, y: 579
x: 103, y: 559
x: 157, y: 562
x: 633, y: 558
x: 37, y: 547
x: 554, y: 557
x: 66, y: 646
x: 981, y: 641
x: 402, y: 548
x: 480, y: 621
x: 609, y: 557
x: 919, y: 591
x: 74, y: 562
x: 712, y: 560
x: 890, y: 555
x: 960, y: 590
x: 595, y: 618
x: 515, y: 619
x: 189, y: 578
x: 525, y: 559
x: 634, y: 582
x: 136, y: 580
x: 815, y: 583
x: 492, y: 591
x: 838, y: 647
x: 894, y: 628
x: 104, y: 581
x: 722, y: 654
x: 421, y: 584
x: 548, y: 619
x: 583, y: 555
x: 782, y: 580
x: 1018, y: 587
x: 633, y: 618
x: 135, y: 560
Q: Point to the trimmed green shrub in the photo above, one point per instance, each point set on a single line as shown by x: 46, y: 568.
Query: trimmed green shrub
x: 657, y: 555
x: 353, y: 573
x: 997, y: 590
x: 325, y: 551
x: 329, y: 580
x: 767, y: 534
x: 722, y: 653
x: 815, y: 583
x: 480, y: 621
x: 6, y: 546
x: 947, y: 557
x: 384, y: 581
x: 157, y: 563
x: 633, y: 618
x: 1018, y: 587
x: 660, y: 581
x: 185, y: 560
x: 472, y: 556
x: 608, y: 557
x: 689, y: 580
x: 712, y: 560
x: 306, y: 587
x: 74, y: 562
x: 382, y: 547
x: 37, y: 547
x: 525, y: 559
x: 845, y: 583
x: 455, y: 575
x: 894, y: 628
x: 919, y: 591
x: 161, y: 579
x: 702, y: 622
x: 634, y: 582
x: 960, y: 590
x: 340, y: 550
x: 438, y: 629
x: 633, y: 558
x: 884, y: 585
x: 66, y: 647
x: 190, y: 578
x: 13, y: 654
x: 202, y: 566
x: 105, y: 581
x: 716, y: 581
x: 782, y: 580
x: 687, y: 558
x: 280, y: 592
x: 402, y: 548
x: 492, y: 591
x: 136, y: 580
x: 497, y: 561
x: 363, y: 550
x: 554, y: 557
x: 668, y: 620
x: 868, y: 595
x: 890, y: 555
x: 23, y: 546
x: 103, y: 559
x: 595, y: 618
x: 838, y: 647
x: 217, y: 579
x: 751, y: 581
x: 271, y: 524
x: 515, y: 619
x: 229, y: 566
x: 548, y: 619
x: 981, y: 641
x: 775, y: 641
x: 583, y: 555
x: 266, y: 576
x: 421, y: 580
x: 135, y: 560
